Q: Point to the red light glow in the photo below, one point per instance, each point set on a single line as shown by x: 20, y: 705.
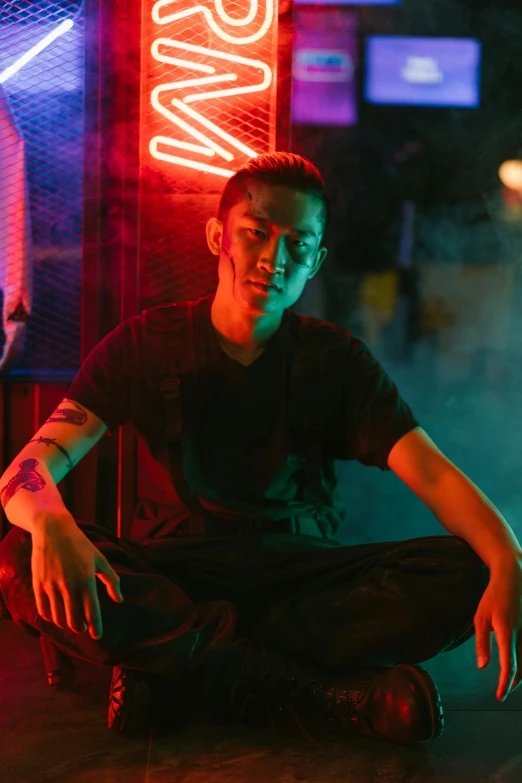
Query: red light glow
x: 236, y: 110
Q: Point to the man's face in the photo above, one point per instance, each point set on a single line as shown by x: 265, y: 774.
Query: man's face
x: 268, y: 247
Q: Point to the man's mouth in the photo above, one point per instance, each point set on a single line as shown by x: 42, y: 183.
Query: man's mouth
x: 265, y: 287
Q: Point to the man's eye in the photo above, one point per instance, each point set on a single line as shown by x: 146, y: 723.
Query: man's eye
x: 256, y: 232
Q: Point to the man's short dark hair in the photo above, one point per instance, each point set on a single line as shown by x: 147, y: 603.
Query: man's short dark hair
x: 277, y: 168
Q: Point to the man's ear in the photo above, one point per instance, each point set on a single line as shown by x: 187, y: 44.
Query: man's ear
x: 319, y: 259
x: 214, y: 230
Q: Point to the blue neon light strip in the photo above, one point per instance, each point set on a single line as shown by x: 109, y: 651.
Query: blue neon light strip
x: 64, y: 27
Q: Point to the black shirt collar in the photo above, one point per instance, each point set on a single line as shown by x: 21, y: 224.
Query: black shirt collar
x: 284, y: 340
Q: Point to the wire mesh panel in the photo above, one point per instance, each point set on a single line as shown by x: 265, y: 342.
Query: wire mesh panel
x: 41, y: 184
x: 208, y: 104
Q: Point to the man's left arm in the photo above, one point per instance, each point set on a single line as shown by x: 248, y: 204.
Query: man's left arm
x: 461, y: 508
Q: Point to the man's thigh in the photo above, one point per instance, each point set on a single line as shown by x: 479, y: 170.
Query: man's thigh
x: 426, y: 590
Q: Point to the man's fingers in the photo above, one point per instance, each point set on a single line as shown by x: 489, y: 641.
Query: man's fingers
x: 516, y: 681
x: 110, y: 579
x: 42, y: 604
x: 73, y: 611
x: 92, y: 612
x: 506, y: 641
x: 57, y: 609
x: 482, y: 642
x: 518, y: 676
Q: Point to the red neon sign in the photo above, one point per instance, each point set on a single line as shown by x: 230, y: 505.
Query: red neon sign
x: 208, y: 84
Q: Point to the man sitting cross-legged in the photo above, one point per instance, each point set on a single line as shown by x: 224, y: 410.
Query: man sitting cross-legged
x: 236, y: 589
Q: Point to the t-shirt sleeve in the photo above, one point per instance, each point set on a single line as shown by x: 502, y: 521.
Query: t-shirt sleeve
x: 105, y: 380
x: 374, y: 417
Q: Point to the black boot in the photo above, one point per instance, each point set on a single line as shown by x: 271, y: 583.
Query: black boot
x: 397, y: 703
x: 141, y: 702
x: 131, y: 703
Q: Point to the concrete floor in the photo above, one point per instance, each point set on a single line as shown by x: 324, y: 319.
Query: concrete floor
x: 49, y: 737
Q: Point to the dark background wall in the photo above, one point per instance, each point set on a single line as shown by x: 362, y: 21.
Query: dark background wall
x: 449, y: 331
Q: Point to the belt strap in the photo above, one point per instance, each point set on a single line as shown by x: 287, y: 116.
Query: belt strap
x: 220, y: 526
x: 170, y: 389
x: 171, y: 393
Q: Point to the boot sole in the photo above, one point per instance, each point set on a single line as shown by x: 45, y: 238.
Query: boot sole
x: 432, y: 695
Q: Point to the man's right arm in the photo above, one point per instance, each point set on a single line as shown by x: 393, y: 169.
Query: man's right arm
x: 64, y: 562
x: 28, y: 488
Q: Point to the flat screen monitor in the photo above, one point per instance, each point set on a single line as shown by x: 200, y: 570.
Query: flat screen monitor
x: 422, y: 71
x: 324, y: 65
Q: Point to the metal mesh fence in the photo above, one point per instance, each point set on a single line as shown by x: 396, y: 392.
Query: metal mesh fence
x: 208, y: 100
x: 41, y: 186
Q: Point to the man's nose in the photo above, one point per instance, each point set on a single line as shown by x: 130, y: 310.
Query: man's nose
x: 273, y: 257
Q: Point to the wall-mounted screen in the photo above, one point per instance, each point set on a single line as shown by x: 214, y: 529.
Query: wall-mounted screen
x: 422, y: 71
x: 323, y: 74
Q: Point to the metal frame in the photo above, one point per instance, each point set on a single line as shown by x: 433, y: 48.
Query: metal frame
x: 111, y: 220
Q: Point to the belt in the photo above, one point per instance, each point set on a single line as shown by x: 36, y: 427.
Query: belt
x: 212, y: 525
x: 217, y: 526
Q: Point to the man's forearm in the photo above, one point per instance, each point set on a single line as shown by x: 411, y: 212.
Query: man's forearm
x: 461, y: 507
x: 28, y: 493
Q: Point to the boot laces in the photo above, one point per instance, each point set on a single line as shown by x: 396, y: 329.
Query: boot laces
x: 327, y: 706
x: 291, y: 689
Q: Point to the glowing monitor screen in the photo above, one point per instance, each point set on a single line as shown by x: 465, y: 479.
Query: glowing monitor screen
x: 422, y: 71
x: 323, y: 74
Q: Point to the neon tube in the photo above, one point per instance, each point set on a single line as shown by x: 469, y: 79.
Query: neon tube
x: 226, y: 77
x: 215, y: 128
x: 201, y: 96
x: 183, y: 145
x: 165, y: 58
x: 64, y: 27
x: 191, y: 164
x: 234, y: 21
x: 209, y: 17
x: 234, y: 58
x: 185, y: 125
x: 241, y: 68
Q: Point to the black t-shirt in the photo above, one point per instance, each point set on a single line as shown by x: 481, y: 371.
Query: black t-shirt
x: 240, y: 455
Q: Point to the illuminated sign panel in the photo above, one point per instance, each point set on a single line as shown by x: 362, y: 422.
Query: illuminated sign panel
x: 325, y: 55
x: 208, y: 92
x: 421, y: 71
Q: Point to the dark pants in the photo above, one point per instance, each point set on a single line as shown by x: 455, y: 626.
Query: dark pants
x: 189, y: 597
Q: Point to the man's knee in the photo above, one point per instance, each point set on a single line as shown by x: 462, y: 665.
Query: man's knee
x: 16, y: 591
x: 470, y: 561
x: 15, y: 554
x: 16, y: 543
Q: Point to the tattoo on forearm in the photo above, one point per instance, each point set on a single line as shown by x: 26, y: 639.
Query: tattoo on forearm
x: 74, y: 415
x: 52, y: 442
x: 26, y: 478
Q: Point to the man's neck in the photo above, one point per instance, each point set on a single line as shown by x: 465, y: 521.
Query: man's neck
x: 242, y: 331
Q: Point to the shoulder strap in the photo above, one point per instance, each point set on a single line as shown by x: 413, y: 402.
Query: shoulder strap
x: 314, y: 392
x: 169, y: 343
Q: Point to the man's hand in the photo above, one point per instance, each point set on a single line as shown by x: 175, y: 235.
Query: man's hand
x: 500, y: 610
x: 64, y: 565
